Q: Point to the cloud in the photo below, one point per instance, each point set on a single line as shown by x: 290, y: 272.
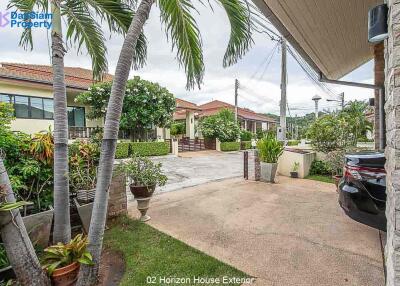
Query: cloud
x: 260, y: 82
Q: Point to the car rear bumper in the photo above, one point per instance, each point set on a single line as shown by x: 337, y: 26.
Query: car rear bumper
x: 349, y: 200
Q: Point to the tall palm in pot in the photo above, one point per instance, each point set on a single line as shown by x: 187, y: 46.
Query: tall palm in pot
x: 81, y: 18
x: 182, y: 29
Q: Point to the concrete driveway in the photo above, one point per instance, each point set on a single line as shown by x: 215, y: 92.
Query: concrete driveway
x: 195, y: 168
x: 289, y: 233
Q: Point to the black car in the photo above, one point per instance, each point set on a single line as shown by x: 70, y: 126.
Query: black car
x: 362, y: 190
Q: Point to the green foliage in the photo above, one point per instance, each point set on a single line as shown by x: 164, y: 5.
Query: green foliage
x: 6, y: 115
x: 5, y: 207
x: 31, y: 178
x: 61, y: 255
x: 354, y: 114
x: 149, y: 148
x: 3, y: 257
x: 83, y: 161
x: 321, y: 178
x: 320, y: 168
x: 295, y: 167
x: 122, y: 150
x: 178, y: 128
x: 331, y: 132
x: 84, y: 30
x: 142, y: 171
x: 269, y: 149
x: 125, y: 149
x: 42, y: 147
x: 246, y: 135
x: 245, y: 145
x: 222, y: 126
x: 293, y: 142
x: 134, y: 239
x: 146, y: 104
x: 230, y: 146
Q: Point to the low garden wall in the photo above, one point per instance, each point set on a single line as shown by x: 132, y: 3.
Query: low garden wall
x: 126, y: 149
x: 291, y: 156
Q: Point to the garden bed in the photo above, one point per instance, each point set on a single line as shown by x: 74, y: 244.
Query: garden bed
x: 150, y: 253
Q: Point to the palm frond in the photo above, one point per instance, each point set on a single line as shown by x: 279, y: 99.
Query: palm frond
x: 26, y: 6
x: 140, y: 54
x: 182, y: 29
x: 83, y: 29
x: 240, y: 40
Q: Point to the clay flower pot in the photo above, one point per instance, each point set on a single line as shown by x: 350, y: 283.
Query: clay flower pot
x: 65, y: 276
x: 337, y: 178
x: 142, y: 195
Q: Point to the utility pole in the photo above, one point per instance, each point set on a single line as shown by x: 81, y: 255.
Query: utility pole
x: 342, y: 100
x: 283, y: 103
x: 236, y: 99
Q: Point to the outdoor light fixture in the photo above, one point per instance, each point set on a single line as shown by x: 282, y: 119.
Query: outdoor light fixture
x: 377, y: 23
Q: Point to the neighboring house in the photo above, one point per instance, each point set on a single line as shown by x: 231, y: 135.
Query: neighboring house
x: 192, y: 113
x: 249, y: 120
x: 30, y: 89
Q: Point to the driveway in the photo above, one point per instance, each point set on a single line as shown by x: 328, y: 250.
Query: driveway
x: 195, y: 168
x: 289, y: 233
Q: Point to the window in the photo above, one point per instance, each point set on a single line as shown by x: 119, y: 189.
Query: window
x: 48, y: 108
x: 5, y: 98
x: 21, y: 106
x: 76, y: 116
x: 29, y: 106
x: 36, y: 108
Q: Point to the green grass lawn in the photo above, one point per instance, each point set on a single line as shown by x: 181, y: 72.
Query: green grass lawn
x: 150, y: 256
x: 321, y: 178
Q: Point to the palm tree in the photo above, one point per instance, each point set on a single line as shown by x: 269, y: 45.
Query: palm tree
x: 20, y: 251
x: 354, y: 113
x: 82, y: 28
x: 185, y: 36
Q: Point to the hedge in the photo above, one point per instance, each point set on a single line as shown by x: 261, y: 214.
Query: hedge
x: 293, y: 142
x: 122, y: 150
x: 125, y: 149
x: 244, y: 145
x: 230, y: 146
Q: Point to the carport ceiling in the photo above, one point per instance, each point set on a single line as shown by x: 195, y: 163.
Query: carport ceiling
x: 332, y: 35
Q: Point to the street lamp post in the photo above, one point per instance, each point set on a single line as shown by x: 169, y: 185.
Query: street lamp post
x: 316, y: 98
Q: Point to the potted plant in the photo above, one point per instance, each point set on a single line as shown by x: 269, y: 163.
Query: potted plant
x: 143, y: 176
x: 62, y: 261
x: 295, y: 170
x: 336, y: 161
x: 269, y: 150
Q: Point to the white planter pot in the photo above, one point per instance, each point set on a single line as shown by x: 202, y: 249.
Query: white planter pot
x: 268, y: 172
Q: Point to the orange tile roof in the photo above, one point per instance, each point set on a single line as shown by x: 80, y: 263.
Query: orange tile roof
x: 215, y: 106
x: 78, y: 78
x: 184, y: 104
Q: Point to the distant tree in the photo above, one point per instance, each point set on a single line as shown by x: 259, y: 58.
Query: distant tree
x: 221, y: 125
x: 354, y: 114
x: 146, y: 104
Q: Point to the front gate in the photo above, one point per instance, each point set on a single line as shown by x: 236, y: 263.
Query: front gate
x: 186, y: 144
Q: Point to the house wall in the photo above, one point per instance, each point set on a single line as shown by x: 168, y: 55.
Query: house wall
x: 392, y: 152
x: 29, y: 125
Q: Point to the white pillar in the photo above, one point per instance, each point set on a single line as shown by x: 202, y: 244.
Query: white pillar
x: 245, y: 124
x: 190, y: 124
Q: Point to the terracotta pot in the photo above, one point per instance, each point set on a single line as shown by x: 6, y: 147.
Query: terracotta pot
x: 65, y: 276
x: 337, y: 178
x: 142, y: 191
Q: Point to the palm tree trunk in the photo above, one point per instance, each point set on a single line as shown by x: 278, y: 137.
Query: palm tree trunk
x: 62, y: 227
x: 16, y: 241
x: 88, y: 274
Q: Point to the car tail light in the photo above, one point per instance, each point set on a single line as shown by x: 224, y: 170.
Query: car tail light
x: 354, y: 172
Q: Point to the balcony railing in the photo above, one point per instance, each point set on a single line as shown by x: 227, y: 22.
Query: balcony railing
x: 76, y: 132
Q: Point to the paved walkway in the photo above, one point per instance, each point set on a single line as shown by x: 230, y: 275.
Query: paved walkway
x: 290, y: 233
x: 195, y: 168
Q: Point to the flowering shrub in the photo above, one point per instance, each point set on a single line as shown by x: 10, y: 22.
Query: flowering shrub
x: 146, y: 104
x: 222, y: 126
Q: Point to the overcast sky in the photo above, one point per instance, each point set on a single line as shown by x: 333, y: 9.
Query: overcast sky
x: 260, y: 86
